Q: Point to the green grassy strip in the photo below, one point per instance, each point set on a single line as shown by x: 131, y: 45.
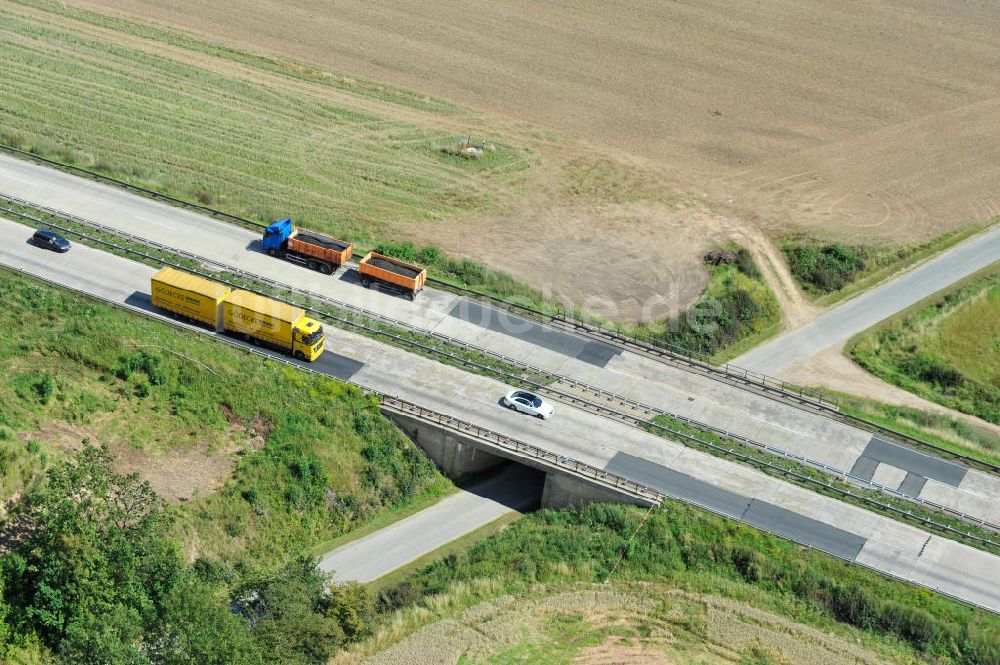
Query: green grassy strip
x: 830, y: 272
x: 737, y: 311
x: 690, y: 549
x: 944, y: 431
x: 945, y: 348
x: 422, y: 344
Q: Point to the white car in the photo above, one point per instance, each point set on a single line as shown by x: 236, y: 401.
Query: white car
x: 525, y: 402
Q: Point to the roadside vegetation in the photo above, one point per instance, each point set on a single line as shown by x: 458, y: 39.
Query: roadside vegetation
x: 250, y: 463
x: 832, y: 271
x: 93, y: 575
x: 680, y: 548
x: 737, y: 311
x: 825, y: 483
x: 946, y: 431
x: 945, y: 348
x: 309, y: 457
x: 353, y: 169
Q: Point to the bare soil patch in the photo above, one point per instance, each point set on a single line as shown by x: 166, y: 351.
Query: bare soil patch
x: 616, y: 650
x: 177, y: 474
x: 621, y: 261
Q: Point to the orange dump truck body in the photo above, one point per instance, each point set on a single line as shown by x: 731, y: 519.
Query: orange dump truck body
x: 383, y: 268
x: 320, y: 246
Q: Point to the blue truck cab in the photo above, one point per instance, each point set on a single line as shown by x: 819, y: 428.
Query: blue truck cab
x: 276, y: 235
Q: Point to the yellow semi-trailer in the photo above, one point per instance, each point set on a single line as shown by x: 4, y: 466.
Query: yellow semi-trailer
x: 273, y: 323
x: 189, y: 296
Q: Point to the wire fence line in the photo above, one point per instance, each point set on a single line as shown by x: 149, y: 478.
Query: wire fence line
x: 840, y: 474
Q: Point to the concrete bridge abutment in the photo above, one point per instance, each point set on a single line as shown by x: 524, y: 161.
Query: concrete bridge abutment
x: 454, y: 454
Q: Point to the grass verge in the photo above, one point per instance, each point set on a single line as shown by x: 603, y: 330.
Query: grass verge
x: 453, y: 548
x: 830, y: 272
x: 946, y: 348
x: 826, y: 484
x: 942, y: 430
x: 415, y: 341
x: 688, y: 549
x: 736, y: 312
x: 307, y: 456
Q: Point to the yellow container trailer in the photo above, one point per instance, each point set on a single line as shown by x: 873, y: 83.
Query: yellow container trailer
x: 189, y: 296
x: 255, y: 318
x: 273, y: 323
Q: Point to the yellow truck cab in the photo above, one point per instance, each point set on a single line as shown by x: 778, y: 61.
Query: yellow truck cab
x: 310, y: 338
x: 273, y: 323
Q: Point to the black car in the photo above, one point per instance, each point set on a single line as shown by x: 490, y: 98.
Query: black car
x: 50, y: 240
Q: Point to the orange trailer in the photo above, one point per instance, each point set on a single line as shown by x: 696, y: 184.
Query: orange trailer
x: 393, y: 273
x: 321, y: 247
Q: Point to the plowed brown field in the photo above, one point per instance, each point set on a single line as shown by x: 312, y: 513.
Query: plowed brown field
x: 877, y: 119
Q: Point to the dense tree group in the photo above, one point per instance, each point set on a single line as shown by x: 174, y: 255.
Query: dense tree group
x: 94, y: 578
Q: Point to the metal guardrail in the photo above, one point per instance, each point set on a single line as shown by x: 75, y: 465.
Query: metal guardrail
x: 650, y: 343
x: 150, y: 193
x: 569, y: 465
x: 520, y: 448
x: 564, y: 396
x: 651, y: 346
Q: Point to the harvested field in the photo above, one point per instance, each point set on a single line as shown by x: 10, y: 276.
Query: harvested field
x: 861, y: 120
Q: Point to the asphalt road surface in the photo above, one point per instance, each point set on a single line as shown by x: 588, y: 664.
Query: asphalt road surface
x: 671, y: 388
x: 514, y: 488
x: 810, y: 518
x: 860, y: 313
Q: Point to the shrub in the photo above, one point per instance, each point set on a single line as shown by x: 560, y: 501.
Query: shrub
x: 824, y: 268
x: 927, y: 367
x: 744, y: 259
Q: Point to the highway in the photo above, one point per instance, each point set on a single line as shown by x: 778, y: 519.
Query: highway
x: 728, y: 488
x: 857, y: 314
x: 629, y: 375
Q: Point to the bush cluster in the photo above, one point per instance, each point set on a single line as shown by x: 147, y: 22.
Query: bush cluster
x: 97, y: 579
x: 682, y: 544
x: 735, y: 305
x: 824, y: 268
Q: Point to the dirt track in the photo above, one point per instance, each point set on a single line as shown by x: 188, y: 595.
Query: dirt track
x: 879, y: 120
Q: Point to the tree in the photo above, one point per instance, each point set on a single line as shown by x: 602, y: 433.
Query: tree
x: 196, y: 628
x: 98, y: 581
x: 293, y: 618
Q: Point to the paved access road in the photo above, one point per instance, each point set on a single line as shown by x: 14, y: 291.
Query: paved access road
x: 632, y: 376
x: 514, y: 488
x: 728, y: 488
x: 860, y: 313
